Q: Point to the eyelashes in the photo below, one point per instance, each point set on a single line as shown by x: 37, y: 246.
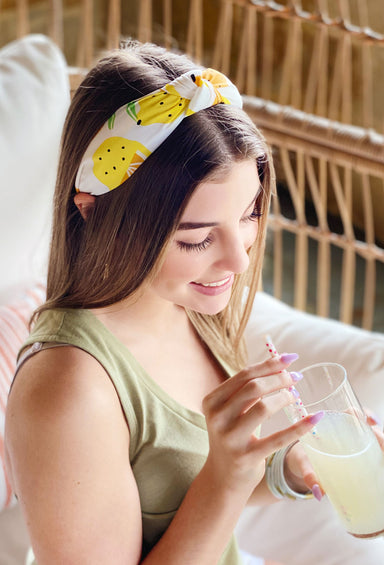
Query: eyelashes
x: 195, y: 246
x: 256, y: 214
x: 202, y: 245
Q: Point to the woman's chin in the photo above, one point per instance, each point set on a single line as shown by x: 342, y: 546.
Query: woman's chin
x: 212, y: 309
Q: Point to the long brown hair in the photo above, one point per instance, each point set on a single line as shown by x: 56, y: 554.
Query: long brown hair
x: 119, y: 249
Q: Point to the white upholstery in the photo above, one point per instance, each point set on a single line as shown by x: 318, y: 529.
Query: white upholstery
x: 34, y: 97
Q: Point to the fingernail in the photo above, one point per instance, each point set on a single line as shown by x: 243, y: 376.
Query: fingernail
x: 316, y: 491
x: 288, y: 357
x: 314, y: 418
x: 376, y: 419
x: 296, y: 376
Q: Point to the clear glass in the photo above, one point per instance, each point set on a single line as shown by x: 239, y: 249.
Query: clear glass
x: 343, y: 449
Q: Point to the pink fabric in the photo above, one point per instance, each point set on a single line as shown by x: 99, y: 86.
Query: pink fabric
x: 14, y: 329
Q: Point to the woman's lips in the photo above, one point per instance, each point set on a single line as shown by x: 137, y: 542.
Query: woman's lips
x: 213, y: 288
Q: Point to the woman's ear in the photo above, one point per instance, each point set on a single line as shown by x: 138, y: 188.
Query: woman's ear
x: 84, y: 202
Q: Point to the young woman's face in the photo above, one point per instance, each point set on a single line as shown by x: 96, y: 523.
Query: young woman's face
x: 217, y: 228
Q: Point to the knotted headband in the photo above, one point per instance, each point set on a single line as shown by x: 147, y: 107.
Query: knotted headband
x: 136, y: 129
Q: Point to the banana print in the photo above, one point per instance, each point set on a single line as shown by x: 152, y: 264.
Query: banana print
x: 161, y: 108
x: 166, y: 105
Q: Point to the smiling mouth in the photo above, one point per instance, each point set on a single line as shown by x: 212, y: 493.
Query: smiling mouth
x: 217, y: 283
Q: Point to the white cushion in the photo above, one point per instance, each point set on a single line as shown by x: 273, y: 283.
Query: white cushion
x: 34, y: 98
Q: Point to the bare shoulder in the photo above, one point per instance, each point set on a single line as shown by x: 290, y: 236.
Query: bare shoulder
x: 67, y: 443
x: 58, y: 378
x: 62, y: 386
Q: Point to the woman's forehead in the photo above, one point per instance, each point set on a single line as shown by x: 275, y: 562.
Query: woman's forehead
x: 236, y: 190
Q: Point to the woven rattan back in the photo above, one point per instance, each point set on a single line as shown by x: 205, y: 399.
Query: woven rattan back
x: 317, y: 61
x: 321, y: 60
x: 312, y: 75
x: 331, y: 180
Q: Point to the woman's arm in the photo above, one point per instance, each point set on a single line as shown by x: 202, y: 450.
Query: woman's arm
x: 67, y: 441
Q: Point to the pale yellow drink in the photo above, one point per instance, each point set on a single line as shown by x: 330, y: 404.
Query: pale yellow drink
x: 350, y: 466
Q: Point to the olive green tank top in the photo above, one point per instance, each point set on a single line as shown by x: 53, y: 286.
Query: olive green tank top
x: 168, y: 442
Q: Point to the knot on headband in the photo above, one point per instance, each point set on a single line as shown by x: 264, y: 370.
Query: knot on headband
x: 136, y: 129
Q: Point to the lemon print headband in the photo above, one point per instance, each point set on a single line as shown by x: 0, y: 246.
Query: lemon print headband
x: 136, y: 129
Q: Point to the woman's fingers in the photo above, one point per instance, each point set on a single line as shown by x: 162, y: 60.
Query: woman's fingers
x: 252, y: 404
x: 272, y: 367
x: 267, y: 445
x: 250, y: 393
x: 235, y: 409
x: 263, y: 409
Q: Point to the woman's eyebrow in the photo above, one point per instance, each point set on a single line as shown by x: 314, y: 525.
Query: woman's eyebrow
x: 198, y: 225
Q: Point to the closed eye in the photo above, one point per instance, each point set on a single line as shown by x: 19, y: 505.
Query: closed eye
x: 202, y: 245
x: 195, y: 246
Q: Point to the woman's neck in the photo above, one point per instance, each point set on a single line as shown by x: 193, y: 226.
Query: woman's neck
x: 146, y: 314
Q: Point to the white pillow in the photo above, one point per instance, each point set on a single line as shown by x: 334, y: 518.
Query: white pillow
x: 320, y: 339
x: 34, y: 98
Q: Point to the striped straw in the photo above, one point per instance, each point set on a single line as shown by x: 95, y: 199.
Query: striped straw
x: 295, y: 411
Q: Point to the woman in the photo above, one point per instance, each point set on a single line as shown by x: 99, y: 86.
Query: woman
x: 126, y: 441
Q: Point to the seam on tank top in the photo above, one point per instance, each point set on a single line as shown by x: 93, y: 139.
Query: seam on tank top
x: 173, y: 410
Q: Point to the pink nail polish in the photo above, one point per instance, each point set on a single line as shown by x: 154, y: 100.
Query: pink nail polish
x: 314, y: 418
x: 288, y: 357
x: 316, y: 490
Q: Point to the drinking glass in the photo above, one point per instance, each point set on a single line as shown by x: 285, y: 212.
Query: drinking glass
x: 343, y: 449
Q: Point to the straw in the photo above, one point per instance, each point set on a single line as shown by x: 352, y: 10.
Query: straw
x: 295, y: 411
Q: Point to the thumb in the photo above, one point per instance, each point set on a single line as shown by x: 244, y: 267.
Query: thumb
x: 310, y: 479
x: 298, y: 470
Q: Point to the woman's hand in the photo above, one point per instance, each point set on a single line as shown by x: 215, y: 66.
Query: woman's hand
x: 236, y: 409
x: 299, y: 472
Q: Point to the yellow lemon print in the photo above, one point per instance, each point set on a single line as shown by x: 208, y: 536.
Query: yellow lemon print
x: 116, y: 159
x: 161, y: 108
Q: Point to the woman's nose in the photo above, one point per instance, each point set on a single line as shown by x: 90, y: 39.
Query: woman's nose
x: 234, y: 256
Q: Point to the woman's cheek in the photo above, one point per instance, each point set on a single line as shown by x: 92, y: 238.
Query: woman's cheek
x: 181, y: 265
x: 251, y: 235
